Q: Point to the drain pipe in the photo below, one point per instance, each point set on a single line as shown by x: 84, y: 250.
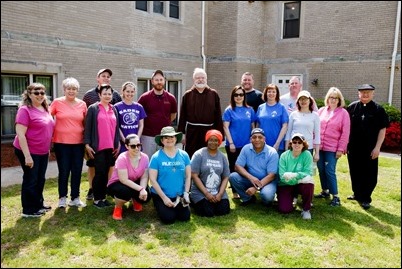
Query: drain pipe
x: 204, y: 65
x: 396, y: 36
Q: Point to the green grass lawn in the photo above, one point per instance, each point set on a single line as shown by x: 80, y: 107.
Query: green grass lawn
x: 252, y: 236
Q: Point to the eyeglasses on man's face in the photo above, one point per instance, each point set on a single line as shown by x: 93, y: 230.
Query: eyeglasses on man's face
x: 133, y: 146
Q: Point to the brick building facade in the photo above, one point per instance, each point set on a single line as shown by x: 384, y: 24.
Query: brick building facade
x: 340, y: 44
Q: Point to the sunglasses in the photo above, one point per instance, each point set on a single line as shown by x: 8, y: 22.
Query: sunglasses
x: 135, y: 146
x: 37, y: 93
x: 238, y: 94
x: 297, y: 142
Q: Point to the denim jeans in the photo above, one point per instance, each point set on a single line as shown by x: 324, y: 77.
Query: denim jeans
x: 327, y: 170
x: 241, y: 184
x: 33, y: 181
x: 69, y: 162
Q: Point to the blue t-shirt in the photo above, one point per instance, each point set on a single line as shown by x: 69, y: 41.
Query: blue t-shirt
x: 271, y: 119
x: 240, y: 119
x: 171, y: 172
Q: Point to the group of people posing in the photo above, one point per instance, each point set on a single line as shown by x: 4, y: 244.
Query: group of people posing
x: 131, y: 150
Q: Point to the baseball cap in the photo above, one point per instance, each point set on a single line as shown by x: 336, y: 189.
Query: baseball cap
x: 105, y: 70
x: 303, y: 93
x: 158, y: 72
x: 300, y: 136
x: 257, y: 131
x: 365, y: 87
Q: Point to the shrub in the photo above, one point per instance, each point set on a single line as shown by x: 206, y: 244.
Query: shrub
x: 393, y: 113
x: 320, y: 102
x: 393, y: 136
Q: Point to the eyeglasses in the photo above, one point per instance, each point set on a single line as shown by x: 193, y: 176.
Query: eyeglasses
x: 238, y: 94
x: 333, y: 98
x: 37, y: 93
x: 297, y: 142
x: 135, y: 146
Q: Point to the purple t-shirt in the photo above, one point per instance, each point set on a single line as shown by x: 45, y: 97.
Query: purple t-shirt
x: 40, y: 127
x: 129, y: 117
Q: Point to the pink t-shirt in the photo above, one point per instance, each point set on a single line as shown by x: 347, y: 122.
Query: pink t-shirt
x: 107, y: 122
x: 123, y: 162
x: 40, y: 126
x: 69, y: 127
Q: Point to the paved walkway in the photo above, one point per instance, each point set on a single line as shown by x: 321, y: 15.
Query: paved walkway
x: 13, y: 175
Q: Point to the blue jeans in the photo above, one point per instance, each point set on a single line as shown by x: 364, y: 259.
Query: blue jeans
x: 327, y: 170
x: 241, y: 184
x: 69, y: 161
x: 33, y: 181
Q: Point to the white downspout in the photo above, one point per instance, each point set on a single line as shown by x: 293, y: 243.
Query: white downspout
x: 396, y: 36
x: 204, y: 65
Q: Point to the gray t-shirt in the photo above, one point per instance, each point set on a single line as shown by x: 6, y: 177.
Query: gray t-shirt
x: 211, y: 170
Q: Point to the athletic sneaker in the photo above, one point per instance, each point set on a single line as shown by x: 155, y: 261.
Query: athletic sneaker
x: 63, y: 202
x: 90, y: 195
x: 118, y: 213
x: 137, y: 206
x: 77, y: 202
x: 306, y: 214
x: 33, y: 215
x: 335, y: 201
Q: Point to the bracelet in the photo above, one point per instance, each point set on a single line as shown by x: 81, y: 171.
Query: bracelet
x: 187, y: 192
x: 141, y: 189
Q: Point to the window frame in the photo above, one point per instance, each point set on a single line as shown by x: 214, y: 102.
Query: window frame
x: 9, y: 107
x: 291, y: 26
x: 167, y: 8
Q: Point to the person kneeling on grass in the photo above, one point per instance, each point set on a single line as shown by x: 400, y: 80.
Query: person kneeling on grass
x: 129, y: 180
x: 210, y: 174
x: 295, y: 173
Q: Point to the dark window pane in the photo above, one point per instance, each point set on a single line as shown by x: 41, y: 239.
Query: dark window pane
x: 174, y: 10
x: 291, y: 23
x: 158, y: 7
x: 291, y: 29
x: 141, y: 5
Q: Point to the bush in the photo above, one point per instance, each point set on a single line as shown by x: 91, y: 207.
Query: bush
x: 393, y: 113
x: 320, y: 102
x: 393, y: 136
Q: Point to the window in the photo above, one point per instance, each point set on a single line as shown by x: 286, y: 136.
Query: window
x: 158, y: 7
x: 291, y: 20
x: 174, y: 9
x: 12, y: 86
x: 141, y: 5
x: 173, y: 86
x: 169, y: 9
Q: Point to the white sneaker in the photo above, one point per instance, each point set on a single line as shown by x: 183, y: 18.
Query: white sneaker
x: 77, y: 202
x: 306, y: 214
x: 294, y: 203
x: 63, y: 202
